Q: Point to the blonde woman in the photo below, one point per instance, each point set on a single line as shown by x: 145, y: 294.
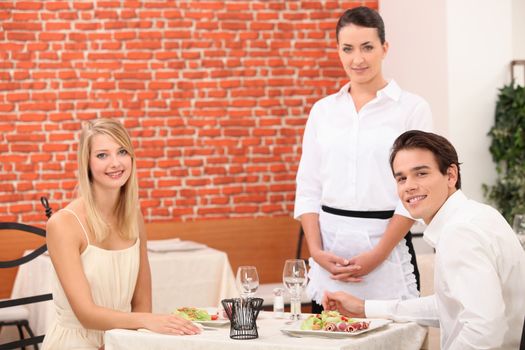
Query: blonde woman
x: 98, y: 248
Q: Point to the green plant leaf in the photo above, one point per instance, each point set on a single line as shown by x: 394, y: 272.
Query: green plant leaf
x: 508, y: 152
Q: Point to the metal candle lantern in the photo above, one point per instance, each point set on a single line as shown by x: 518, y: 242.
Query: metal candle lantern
x: 243, y: 314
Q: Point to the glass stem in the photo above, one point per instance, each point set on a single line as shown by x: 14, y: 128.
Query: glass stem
x: 295, y: 307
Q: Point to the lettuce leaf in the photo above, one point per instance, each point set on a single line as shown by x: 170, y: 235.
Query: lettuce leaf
x: 193, y: 314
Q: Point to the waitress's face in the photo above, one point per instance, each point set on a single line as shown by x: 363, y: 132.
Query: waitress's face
x: 361, y: 53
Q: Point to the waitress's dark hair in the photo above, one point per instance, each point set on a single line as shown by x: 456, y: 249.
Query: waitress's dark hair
x: 444, y: 153
x: 364, y: 17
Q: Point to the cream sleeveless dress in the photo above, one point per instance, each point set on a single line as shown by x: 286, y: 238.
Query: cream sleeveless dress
x: 112, y: 275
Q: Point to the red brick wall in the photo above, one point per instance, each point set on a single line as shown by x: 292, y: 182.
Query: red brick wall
x: 214, y: 93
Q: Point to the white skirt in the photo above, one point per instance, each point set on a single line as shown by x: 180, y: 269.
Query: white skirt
x: 348, y: 237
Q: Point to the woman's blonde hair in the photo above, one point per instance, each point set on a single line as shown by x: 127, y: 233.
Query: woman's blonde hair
x: 127, y: 207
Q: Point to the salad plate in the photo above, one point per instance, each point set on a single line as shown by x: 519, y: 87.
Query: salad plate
x: 375, y: 323
x: 204, y: 316
x: 216, y: 320
x: 213, y: 323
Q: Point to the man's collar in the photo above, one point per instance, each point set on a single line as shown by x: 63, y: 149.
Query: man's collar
x: 442, y: 217
x: 391, y: 90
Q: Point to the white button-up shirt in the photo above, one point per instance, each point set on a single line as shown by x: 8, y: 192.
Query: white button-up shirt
x: 344, y: 163
x: 479, y: 280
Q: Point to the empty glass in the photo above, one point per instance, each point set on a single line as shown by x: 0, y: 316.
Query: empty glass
x: 294, y: 279
x: 519, y: 228
x: 247, y: 281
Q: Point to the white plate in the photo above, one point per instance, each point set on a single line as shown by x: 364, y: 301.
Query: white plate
x: 375, y: 323
x: 214, y: 323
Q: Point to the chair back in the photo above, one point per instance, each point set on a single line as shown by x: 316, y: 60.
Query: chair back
x: 522, y: 343
x: 14, y: 227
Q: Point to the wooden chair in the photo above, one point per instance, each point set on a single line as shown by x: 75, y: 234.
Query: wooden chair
x: 13, y: 312
x: 299, y: 250
x: 522, y: 343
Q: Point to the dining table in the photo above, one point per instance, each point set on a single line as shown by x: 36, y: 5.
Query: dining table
x: 190, y: 275
x: 406, y: 336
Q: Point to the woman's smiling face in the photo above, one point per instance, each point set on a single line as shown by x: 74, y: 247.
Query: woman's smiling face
x: 109, y: 163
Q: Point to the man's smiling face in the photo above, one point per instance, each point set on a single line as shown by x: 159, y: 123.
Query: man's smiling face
x: 420, y: 185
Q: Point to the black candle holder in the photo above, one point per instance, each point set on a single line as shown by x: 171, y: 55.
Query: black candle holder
x: 243, y: 315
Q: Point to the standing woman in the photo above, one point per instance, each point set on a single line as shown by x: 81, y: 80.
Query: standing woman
x: 346, y: 198
x: 98, y: 248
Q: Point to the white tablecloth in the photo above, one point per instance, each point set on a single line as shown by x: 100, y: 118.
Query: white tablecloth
x: 187, y: 278
x: 406, y: 336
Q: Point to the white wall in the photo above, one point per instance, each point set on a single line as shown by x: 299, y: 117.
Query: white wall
x: 480, y: 51
x: 418, y: 52
x: 456, y: 54
x: 518, y: 38
x: 518, y: 29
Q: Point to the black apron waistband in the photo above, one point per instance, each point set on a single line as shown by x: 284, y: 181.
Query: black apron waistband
x: 383, y: 214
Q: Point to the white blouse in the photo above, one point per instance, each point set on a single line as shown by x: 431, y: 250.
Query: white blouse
x: 344, y: 163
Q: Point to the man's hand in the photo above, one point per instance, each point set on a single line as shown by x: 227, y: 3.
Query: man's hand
x: 340, y: 269
x: 345, y: 303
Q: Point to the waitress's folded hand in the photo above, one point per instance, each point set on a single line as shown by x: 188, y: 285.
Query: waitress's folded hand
x: 368, y: 261
x: 338, y: 267
x: 347, y: 273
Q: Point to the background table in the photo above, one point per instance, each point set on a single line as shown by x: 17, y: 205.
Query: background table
x: 406, y: 336
x: 184, y: 278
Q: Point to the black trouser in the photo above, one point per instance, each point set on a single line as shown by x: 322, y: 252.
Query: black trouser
x: 316, y: 308
x: 413, y: 261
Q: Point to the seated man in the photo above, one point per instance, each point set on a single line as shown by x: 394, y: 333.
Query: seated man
x: 479, y: 283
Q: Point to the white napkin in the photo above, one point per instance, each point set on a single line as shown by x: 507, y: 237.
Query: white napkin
x: 173, y: 245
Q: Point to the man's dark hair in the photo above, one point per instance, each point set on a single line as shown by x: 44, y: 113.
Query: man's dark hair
x: 364, y: 17
x: 444, y: 153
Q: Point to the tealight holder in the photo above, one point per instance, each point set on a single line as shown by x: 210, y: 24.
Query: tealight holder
x: 243, y: 315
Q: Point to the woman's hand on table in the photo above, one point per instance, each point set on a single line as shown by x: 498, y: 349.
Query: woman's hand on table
x: 345, y: 303
x: 340, y: 268
x: 170, y: 324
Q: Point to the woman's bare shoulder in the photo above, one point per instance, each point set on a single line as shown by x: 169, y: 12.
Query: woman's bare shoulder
x: 63, y: 222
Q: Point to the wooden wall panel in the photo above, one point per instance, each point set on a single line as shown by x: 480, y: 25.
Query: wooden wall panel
x: 263, y: 242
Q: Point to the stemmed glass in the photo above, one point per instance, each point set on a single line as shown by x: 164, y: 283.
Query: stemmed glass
x: 247, y: 281
x: 294, y: 278
x: 519, y: 228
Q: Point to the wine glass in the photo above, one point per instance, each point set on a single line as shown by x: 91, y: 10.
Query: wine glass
x: 519, y: 228
x: 247, y: 281
x: 294, y: 278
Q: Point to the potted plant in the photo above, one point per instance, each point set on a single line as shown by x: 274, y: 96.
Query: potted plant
x: 508, y: 152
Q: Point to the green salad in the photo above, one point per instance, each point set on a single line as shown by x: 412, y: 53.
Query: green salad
x: 328, y: 321
x: 194, y: 314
